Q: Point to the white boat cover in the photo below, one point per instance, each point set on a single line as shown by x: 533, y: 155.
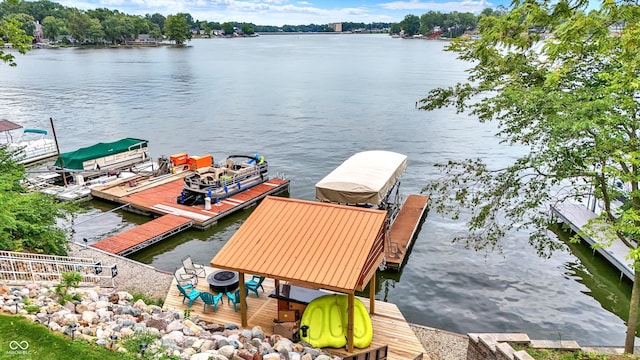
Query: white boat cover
x: 364, y: 178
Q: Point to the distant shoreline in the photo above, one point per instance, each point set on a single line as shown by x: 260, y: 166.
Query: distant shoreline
x: 318, y: 33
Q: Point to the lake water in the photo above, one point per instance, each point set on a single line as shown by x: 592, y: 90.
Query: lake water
x: 307, y: 103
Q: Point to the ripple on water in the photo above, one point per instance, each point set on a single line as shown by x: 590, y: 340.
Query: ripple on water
x: 307, y: 104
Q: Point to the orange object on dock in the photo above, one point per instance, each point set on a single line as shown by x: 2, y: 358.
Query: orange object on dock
x: 404, y: 229
x: 157, y: 197
x: 179, y: 159
x: 144, y: 235
x: 199, y: 162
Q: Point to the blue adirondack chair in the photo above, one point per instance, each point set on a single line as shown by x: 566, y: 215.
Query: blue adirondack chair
x: 235, y: 298
x: 254, y: 284
x: 192, y: 295
x: 210, y: 299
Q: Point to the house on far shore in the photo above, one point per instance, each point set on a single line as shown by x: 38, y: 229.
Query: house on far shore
x: 337, y: 27
x: 143, y: 39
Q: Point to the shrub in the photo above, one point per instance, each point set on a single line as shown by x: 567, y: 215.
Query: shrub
x: 69, y: 280
x: 146, y: 299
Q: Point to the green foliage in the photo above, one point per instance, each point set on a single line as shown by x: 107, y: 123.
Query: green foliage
x: 546, y: 354
x: 176, y: 28
x: 410, y: 24
x: 11, y: 31
x: 78, y: 24
x: 69, y: 280
x: 451, y: 24
x: 134, y: 341
x: 573, y: 115
x: 247, y: 29
x: 187, y: 313
x: 52, y: 27
x: 32, y: 309
x: 146, y: 299
x: 570, y: 105
x: 28, y: 219
x: 227, y: 28
x: 44, y: 344
x: 157, y: 19
x: 27, y: 22
x: 395, y: 29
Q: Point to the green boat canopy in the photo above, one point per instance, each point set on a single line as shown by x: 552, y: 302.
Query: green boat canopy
x: 75, y: 159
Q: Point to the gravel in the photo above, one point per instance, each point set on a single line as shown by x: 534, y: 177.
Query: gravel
x: 133, y: 277
x: 441, y: 344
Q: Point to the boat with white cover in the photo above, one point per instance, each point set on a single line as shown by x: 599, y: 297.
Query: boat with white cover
x: 367, y: 179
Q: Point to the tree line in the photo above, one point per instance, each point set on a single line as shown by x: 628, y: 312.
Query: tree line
x: 433, y: 23
x: 102, y: 25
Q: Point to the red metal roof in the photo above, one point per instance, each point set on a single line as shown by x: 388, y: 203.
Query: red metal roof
x: 316, y: 244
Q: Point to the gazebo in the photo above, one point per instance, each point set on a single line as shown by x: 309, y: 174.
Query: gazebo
x: 311, y: 244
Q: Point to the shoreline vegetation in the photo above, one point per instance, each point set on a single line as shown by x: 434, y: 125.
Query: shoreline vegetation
x: 134, y: 44
x: 49, y: 24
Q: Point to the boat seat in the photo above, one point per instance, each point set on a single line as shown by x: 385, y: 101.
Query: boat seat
x: 203, y: 170
x: 245, y: 171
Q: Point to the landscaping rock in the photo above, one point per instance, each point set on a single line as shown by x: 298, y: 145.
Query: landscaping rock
x: 227, y: 351
x: 107, y: 320
x: 156, y: 323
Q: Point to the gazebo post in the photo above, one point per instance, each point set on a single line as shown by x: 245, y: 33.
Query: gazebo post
x: 243, y: 300
x: 350, y: 322
x: 372, y: 295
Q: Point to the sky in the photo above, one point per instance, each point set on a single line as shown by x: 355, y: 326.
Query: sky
x: 289, y: 12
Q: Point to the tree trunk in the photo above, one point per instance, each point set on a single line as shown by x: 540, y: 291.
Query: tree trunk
x: 632, y: 323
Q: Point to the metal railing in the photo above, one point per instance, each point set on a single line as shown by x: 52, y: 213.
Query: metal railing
x: 22, y: 268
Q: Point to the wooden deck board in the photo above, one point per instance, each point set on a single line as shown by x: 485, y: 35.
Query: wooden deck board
x: 118, y: 243
x: 160, y: 198
x: 403, y: 229
x: 390, y: 327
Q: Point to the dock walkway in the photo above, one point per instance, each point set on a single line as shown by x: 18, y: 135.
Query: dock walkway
x: 404, y: 229
x: 144, y: 235
x: 577, y: 216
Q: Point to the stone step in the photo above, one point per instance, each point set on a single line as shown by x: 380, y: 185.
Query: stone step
x: 516, y: 338
x: 489, y: 341
x: 505, y: 349
x: 568, y: 345
x: 522, y: 355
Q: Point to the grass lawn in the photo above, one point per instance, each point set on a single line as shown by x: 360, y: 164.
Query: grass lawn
x: 17, y: 333
x: 577, y: 355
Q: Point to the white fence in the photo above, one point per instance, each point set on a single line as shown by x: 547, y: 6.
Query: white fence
x: 22, y: 268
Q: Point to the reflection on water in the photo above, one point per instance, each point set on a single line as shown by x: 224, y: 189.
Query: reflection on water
x: 604, y: 283
x: 308, y: 104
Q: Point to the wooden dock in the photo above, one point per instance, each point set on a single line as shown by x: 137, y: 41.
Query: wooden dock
x: 144, y: 235
x: 389, y: 325
x: 159, y: 196
x: 404, y: 229
x: 577, y: 216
